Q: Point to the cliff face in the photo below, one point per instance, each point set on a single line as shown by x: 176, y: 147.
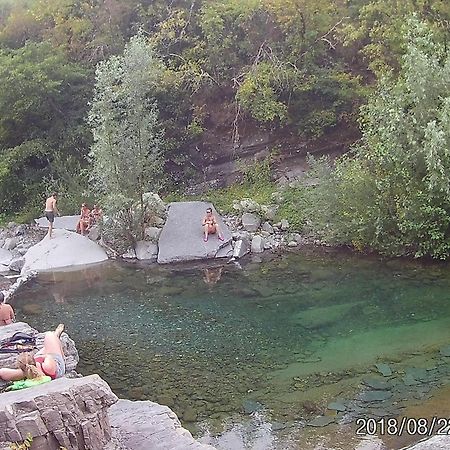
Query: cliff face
x: 230, y: 138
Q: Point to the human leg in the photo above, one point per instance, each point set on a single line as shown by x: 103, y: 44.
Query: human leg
x: 11, y: 374
x: 52, y: 342
x: 206, y: 230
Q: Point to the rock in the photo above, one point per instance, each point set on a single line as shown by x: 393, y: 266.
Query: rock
x: 374, y: 396
x: 65, y: 249
x: 241, y: 248
x: 153, y: 233
x: 269, y: 212
x: 292, y: 244
x: 9, y: 359
x: 17, y: 263
x: 182, y: 236
x: 190, y: 414
x: 69, y: 413
x: 60, y: 223
x: 284, y: 225
x: 445, y: 351
x: 5, y: 257
x: 10, y: 243
x: 129, y: 254
x: 251, y: 406
x: 321, y: 421
x: 158, y: 221
x: 336, y: 406
x: 147, y: 425
x: 146, y: 250
x: 267, y: 227
x: 258, y: 243
x: 94, y: 233
x: 20, y: 230
x: 249, y: 205
x: 4, y: 269
x: 250, y: 222
x: 376, y: 384
x: 154, y: 203
x: 384, y: 369
x: 434, y: 443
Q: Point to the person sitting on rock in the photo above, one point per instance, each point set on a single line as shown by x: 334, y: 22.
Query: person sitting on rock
x: 85, y: 219
x: 48, y: 361
x: 6, y: 312
x: 210, y: 225
x: 96, y: 215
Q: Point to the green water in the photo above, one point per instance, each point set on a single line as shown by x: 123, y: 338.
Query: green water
x: 284, y: 336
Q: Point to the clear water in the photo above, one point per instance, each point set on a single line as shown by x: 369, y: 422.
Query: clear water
x: 264, y: 346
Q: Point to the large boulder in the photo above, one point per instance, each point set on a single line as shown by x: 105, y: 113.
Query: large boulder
x: 65, y: 413
x: 250, y: 222
x: 65, y: 249
x: 147, y: 425
x: 62, y: 222
x: 258, y: 243
x: 10, y: 243
x: 241, y: 248
x: 182, y: 236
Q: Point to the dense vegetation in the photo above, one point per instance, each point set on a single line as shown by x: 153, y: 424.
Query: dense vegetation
x: 301, y: 66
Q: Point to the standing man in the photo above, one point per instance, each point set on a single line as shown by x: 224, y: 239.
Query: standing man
x: 50, y: 211
x: 6, y: 312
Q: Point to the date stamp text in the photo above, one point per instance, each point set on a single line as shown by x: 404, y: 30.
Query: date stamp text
x: 405, y: 425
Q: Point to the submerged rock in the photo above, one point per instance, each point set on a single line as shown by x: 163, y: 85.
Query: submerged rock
x: 384, y: 369
x: 321, y: 421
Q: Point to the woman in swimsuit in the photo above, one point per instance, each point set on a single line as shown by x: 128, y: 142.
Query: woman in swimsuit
x: 210, y: 225
x: 47, y: 361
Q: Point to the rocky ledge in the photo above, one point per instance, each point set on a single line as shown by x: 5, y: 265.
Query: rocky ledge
x: 80, y: 413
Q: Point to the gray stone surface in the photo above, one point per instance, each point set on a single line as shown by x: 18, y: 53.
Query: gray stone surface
x: 9, y: 359
x: 146, y: 425
x: 17, y: 264
x: 434, y: 443
x: 258, y: 243
x: 267, y: 227
x: 250, y: 222
x: 182, y: 236
x: 65, y: 249
x: 241, y: 248
x: 94, y: 233
x: 146, y: 251
x: 63, y: 222
x: 153, y: 233
x: 10, y: 243
x: 69, y: 413
x: 5, y: 256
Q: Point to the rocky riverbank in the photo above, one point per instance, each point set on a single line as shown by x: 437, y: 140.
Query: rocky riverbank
x: 77, y: 412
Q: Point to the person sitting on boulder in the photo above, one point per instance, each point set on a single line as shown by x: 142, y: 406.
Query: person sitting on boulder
x: 85, y: 219
x: 49, y: 361
x: 96, y: 215
x: 6, y: 312
x: 210, y: 225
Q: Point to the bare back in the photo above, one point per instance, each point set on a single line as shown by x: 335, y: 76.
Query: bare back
x: 50, y: 204
x: 6, y: 314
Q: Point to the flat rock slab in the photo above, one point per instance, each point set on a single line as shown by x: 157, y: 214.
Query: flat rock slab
x: 434, y: 443
x: 147, y: 425
x: 5, y: 257
x: 182, y: 236
x: 60, y: 223
x: 65, y: 249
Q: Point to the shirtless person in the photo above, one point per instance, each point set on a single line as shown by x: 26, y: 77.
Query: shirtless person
x: 210, y: 225
x: 6, y: 312
x: 50, y: 211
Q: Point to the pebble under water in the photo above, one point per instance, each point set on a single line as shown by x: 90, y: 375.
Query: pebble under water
x: 249, y: 355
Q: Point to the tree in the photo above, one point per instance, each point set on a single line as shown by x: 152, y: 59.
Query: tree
x: 126, y: 156
x: 394, y: 196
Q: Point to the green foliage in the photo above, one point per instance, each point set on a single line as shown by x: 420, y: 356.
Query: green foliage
x: 393, y: 196
x: 126, y: 156
x: 26, y: 444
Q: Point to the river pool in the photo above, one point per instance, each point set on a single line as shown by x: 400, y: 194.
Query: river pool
x: 248, y: 354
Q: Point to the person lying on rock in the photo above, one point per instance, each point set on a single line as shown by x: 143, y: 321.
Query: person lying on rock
x: 6, y: 312
x: 48, y: 361
x: 210, y: 225
x: 85, y: 219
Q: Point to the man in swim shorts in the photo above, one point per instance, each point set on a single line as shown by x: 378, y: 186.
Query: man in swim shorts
x: 50, y: 211
x: 6, y: 312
